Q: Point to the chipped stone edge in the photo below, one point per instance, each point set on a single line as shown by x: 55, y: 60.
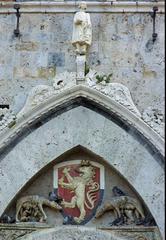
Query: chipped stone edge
x: 71, y: 7
x: 90, y: 94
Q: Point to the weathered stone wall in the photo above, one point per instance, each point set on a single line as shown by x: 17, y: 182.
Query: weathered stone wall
x: 121, y: 45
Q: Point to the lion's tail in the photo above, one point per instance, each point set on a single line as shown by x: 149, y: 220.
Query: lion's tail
x: 91, y: 195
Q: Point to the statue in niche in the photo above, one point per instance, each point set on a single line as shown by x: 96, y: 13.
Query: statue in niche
x: 30, y: 208
x: 82, y: 30
x: 127, y: 209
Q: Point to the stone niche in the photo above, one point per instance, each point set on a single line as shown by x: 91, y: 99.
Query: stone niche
x: 44, y: 182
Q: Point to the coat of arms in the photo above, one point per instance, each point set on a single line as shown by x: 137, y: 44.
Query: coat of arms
x: 80, y: 184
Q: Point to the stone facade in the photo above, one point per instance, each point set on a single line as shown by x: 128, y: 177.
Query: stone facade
x: 99, y: 132
x: 45, y: 49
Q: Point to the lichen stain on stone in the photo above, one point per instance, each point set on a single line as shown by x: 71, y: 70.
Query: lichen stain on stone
x: 23, y: 72
x: 44, y: 72
x: 41, y: 72
x: 147, y: 73
x: 27, y: 46
x: 12, y: 124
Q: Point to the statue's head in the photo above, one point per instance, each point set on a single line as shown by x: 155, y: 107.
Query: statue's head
x: 82, y: 6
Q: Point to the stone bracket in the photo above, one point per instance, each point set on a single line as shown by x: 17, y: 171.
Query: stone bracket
x: 80, y: 62
x: 17, y: 30
x: 153, y: 15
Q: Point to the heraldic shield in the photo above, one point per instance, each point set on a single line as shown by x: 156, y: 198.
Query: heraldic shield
x: 80, y: 185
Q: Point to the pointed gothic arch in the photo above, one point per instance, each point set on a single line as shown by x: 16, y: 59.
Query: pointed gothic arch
x: 32, y: 151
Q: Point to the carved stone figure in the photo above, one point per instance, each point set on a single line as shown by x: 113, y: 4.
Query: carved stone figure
x: 7, y: 219
x: 82, y: 30
x: 78, y: 184
x: 30, y: 208
x: 147, y: 221
x: 127, y: 209
x: 53, y: 196
x: 37, y: 95
x: 118, y: 192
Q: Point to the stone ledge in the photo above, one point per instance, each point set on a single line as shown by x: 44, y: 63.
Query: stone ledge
x: 24, y: 226
x: 34, y: 226
x: 130, y: 229
x: 71, y: 7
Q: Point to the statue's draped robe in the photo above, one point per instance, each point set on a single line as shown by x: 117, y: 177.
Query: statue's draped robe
x: 82, y: 29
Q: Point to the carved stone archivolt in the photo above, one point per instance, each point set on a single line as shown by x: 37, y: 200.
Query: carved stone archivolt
x: 116, y: 91
x: 155, y: 119
x: 67, y: 80
x: 44, y: 98
x: 37, y: 96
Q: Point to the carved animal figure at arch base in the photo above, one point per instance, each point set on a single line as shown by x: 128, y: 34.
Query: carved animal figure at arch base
x: 127, y: 209
x: 30, y: 208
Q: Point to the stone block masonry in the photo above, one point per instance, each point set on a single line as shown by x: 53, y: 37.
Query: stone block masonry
x: 121, y: 45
